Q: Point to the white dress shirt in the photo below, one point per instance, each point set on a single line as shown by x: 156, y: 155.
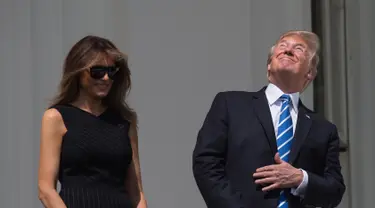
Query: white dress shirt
x: 273, y: 93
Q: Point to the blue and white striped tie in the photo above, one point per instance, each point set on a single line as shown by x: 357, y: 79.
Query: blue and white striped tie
x: 284, y: 139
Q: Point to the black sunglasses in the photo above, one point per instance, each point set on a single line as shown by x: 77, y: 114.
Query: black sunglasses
x: 98, y: 72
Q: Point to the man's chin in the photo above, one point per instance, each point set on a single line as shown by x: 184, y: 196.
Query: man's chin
x: 287, y: 73
x: 287, y: 69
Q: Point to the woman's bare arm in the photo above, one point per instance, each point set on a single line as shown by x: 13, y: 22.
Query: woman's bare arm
x: 134, y: 180
x: 52, y: 131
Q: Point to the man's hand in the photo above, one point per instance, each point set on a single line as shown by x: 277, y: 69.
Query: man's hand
x: 280, y: 175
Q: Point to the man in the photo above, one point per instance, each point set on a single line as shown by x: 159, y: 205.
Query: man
x: 265, y: 149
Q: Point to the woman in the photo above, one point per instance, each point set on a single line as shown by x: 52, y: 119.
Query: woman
x: 89, y: 135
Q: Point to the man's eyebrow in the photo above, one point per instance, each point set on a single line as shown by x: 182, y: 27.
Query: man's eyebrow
x: 297, y: 44
x: 301, y: 44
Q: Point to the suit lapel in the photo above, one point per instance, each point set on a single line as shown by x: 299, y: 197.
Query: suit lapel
x: 302, y: 129
x: 263, y: 113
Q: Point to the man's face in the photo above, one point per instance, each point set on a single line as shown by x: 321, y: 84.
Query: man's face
x: 290, y: 60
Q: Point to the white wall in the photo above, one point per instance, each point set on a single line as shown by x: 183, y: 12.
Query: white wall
x: 35, y: 35
x: 17, y: 138
x: 181, y: 53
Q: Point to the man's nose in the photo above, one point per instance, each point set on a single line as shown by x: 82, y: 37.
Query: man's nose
x: 288, y: 52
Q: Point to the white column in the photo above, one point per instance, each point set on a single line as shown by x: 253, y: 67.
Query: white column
x: 361, y: 48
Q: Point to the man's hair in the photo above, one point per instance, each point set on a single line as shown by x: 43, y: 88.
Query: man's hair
x: 313, y: 43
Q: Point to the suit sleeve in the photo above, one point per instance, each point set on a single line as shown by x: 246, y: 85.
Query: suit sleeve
x: 327, y: 190
x: 209, y: 158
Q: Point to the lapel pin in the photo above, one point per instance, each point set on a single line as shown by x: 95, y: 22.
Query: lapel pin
x: 307, y: 116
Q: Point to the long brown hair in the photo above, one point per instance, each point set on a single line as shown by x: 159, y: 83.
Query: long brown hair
x: 83, y: 55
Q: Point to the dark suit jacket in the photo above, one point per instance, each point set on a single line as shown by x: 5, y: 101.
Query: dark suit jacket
x: 238, y: 137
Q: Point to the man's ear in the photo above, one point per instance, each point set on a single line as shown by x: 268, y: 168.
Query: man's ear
x: 312, y: 73
x: 309, y: 75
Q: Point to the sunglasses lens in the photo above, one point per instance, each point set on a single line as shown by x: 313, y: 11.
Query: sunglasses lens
x: 97, y: 72
x: 112, y: 72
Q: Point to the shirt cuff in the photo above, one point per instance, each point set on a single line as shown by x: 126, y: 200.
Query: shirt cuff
x: 301, y: 189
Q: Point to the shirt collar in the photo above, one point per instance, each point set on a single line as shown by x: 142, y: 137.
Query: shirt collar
x: 273, y: 93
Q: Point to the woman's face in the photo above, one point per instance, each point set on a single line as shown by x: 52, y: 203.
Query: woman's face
x: 97, y: 80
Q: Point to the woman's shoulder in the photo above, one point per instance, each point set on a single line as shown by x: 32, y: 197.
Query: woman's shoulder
x: 52, y: 114
x: 63, y: 108
x: 52, y: 124
x: 66, y: 111
x: 52, y: 117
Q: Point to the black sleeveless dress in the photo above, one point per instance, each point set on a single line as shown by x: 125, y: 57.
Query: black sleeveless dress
x: 95, y: 155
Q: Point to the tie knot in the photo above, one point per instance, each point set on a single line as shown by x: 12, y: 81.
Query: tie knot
x: 285, y: 98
